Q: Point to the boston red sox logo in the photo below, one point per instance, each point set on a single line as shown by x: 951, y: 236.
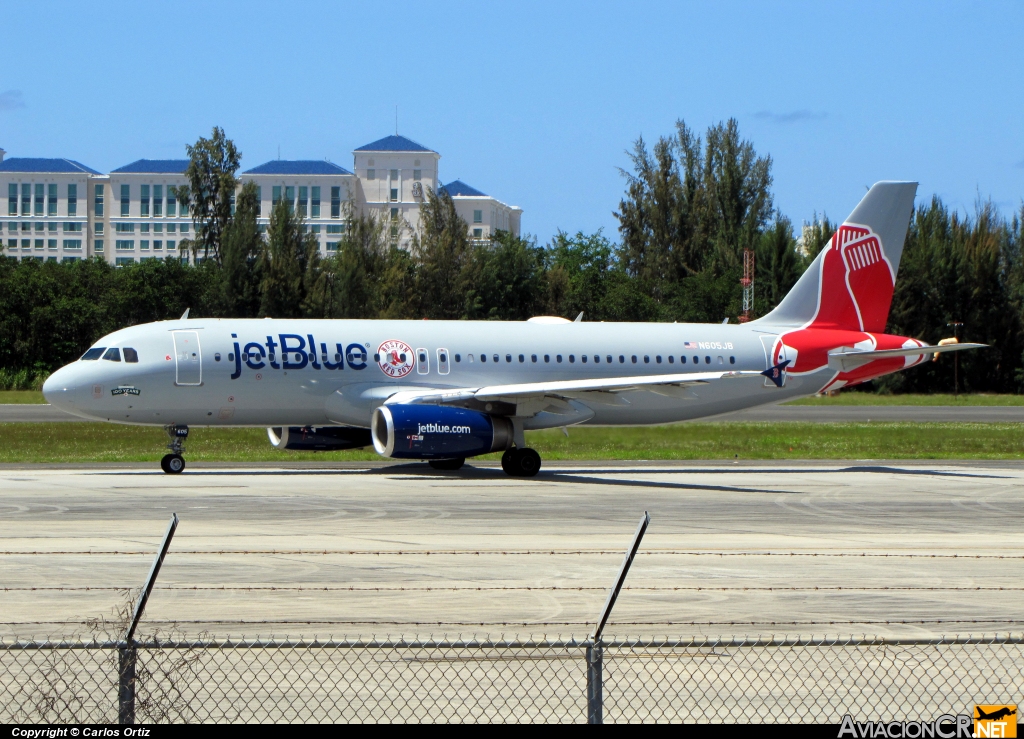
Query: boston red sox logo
x: 396, y: 358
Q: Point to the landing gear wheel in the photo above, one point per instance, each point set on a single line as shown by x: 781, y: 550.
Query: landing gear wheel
x: 521, y: 462
x: 172, y: 464
x: 447, y: 464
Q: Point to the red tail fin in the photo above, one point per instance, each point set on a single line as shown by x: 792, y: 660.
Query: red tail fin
x: 856, y: 282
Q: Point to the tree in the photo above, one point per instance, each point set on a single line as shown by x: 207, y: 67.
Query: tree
x: 240, y: 258
x: 507, y: 278
x: 288, y: 266
x: 210, y: 192
x: 442, y: 252
x: 815, y: 237
x: 778, y: 265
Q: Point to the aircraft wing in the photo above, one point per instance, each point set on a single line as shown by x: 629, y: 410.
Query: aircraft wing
x: 515, y: 393
x: 847, y: 360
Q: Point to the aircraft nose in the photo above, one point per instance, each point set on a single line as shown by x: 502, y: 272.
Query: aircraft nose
x: 58, y: 389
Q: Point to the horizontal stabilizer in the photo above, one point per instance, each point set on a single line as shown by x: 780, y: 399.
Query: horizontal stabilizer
x: 844, y: 361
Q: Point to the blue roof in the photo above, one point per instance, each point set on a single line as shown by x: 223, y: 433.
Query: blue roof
x: 298, y: 166
x: 394, y: 143
x: 154, y: 166
x: 461, y: 188
x: 37, y: 164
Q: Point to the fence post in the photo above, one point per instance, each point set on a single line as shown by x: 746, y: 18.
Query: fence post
x: 127, y: 652
x: 595, y: 650
x: 595, y: 702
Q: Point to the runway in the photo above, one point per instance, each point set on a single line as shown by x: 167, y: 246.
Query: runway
x: 27, y: 413
x: 348, y: 550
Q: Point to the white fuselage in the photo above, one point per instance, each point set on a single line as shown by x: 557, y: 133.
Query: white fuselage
x: 233, y: 372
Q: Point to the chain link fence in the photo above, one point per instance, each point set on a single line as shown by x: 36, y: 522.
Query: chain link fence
x: 464, y: 680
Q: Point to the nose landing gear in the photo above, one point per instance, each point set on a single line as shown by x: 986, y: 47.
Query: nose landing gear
x: 174, y: 463
x: 520, y: 462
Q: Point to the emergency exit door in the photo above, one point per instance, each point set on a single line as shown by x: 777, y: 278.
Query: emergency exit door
x: 188, y: 359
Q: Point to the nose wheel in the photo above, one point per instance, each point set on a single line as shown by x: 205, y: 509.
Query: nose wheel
x: 174, y: 462
x: 520, y: 462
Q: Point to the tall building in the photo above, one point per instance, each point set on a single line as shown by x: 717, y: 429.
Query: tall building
x: 59, y: 209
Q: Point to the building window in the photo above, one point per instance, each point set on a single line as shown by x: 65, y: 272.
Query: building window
x: 478, y: 216
x: 158, y: 245
x: 40, y: 227
x: 183, y: 228
x: 231, y: 204
x: 332, y: 246
x: 335, y: 202
x: 125, y: 203
x: 158, y: 228
x: 172, y: 200
x: 39, y: 243
x: 144, y: 202
x: 303, y: 201
x: 478, y: 233
x: 51, y: 200
x: 158, y: 200
x: 98, y: 228
x: 124, y: 245
x: 26, y: 243
x: 170, y: 246
x: 315, y: 229
x: 289, y: 195
x: 275, y: 196
x: 12, y: 199
x: 315, y: 213
x: 98, y: 201
x: 335, y: 229
x: 26, y: 199
x: 97, y: 245
x: 124, y: 227
x: 72, y: 200
x: 72, y: 227
x: 371, y: 174
x: 52, y: 243
x: 39, y: 200
x: 144, y: 245
x: 68, y: 243
x: 417, y: 175
x: 121, y: 261
x: 144, y: 228
x: 259, y: 201
x: 170, y: 228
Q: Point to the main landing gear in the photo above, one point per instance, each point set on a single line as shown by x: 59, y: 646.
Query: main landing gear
x: 518, y: 462
x: 174, y: 463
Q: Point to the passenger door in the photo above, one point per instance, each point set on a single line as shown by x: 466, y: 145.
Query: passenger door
x: 188, y: 359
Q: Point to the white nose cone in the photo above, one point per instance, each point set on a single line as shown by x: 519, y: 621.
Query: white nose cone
x: 57, y: 390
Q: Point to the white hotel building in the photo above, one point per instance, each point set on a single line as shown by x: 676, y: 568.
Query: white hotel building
x: 60, y: 210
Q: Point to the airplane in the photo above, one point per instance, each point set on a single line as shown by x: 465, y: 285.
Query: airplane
x: 1002, y: 712
x: 444, y: 391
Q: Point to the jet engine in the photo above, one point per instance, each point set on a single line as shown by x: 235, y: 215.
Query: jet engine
x: 437, y: 432
x: 318, y: 438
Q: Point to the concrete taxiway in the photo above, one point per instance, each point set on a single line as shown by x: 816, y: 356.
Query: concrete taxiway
x: 752, y: 548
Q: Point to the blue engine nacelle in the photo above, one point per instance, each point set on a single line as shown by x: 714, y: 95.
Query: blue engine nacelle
x: 437, y: 432
x: 318, y: 438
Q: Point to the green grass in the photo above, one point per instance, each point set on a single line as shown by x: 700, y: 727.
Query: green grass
x: 937, y: 399
x: 21, y: 396
x: 86, y: 442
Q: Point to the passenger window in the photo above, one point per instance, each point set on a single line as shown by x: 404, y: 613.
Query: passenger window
x: 376, y: 357
x: 721, y: 360
x: 469, y: 357
x: 707, y: 360
x: 231, y: 357
x: 458, y: 358
x: 483, y: 357
x: 558, y: 357
x: 647, y: 359
x: 696, y: 360
x: 95, y: 353
x: 508, y: 358
x: 113, y: 354
x: 682, y: 360
x: 572, y: 358
x: 622, y: 359
x: 495, y: 357
x: 609, y: 358
x: 533, y: 358
x: 422, y: 362
x: 583, y: 358
x: 671, y: 359
x: 521, y: 359
x: 442, y: 362
x: 216, y: 357
x: 634, y: 359
x: 732, y: 360
x: 597, y: 359
x: 547, y: 358
x: 658, y: 359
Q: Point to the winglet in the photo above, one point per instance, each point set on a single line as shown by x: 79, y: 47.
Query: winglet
x: 579, y: 318
x: 185, y: 314
x: 777, y: 374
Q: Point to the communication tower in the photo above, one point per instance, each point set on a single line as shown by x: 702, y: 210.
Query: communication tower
x: 748, y: 284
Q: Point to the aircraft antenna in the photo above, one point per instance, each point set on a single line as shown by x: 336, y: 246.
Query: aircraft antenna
x: 747, y: 281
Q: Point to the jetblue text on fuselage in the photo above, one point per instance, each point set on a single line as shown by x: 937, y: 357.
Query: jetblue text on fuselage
x: 297, y: 352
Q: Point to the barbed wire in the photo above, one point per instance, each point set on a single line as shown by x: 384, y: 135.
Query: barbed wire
x: 545, y: 588
x: 536, y: 624
x: 513, y: 552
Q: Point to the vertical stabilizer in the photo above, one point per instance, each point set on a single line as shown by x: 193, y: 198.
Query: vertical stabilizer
x: 850, y: 283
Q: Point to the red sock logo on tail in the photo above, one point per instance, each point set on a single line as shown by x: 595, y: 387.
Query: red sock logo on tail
x: 856, y: 282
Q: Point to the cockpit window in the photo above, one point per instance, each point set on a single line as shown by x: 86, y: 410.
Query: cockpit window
x: 95, y: 353
x: 113, y: 354
x: 130, y: 355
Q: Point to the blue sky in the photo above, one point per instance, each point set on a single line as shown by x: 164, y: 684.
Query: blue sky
x: 535, y: 103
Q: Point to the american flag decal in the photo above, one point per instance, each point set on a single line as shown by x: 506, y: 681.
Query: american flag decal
x: 689, y: 345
